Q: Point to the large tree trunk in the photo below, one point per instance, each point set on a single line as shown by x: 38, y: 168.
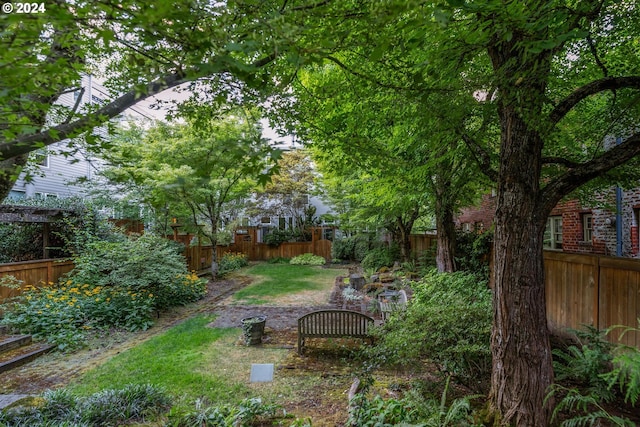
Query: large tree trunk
x: 404, y: 240
x: 522, y: 367
x: 445, y: 227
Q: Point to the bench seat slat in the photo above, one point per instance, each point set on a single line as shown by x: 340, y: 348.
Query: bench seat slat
x: 333, y: 324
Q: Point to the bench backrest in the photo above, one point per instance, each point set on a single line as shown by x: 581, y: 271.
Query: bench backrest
x: 334, y: 323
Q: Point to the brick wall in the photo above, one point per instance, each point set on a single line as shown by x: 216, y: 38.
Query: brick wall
x: 479, y: 217
x: 604, y: 239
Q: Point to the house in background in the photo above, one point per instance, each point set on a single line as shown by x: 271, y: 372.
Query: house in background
x: 58, y: 169
x: 611, y: 228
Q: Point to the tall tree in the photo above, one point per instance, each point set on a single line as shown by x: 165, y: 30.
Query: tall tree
x: 546, y: 63
x: 139, y: 50
x: 287, y: 192
x: 538, y: 71
x: 206, y: 169
x: 407, y: 161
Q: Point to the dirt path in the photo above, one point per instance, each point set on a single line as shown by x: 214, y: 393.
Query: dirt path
x: 57, y: 370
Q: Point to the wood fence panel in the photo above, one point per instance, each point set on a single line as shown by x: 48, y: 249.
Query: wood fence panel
x: 36, y: 273
x: 620, y: 298
x: 422, y: 242
x: 571, y: 288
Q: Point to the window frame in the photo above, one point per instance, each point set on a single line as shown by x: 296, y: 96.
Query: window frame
x: 553, y: 233
x: 587, y: 227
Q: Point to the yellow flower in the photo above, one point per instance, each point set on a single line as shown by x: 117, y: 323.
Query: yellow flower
x: 39, y: 312
x: 70, y: 304
x: 150, y: 295
x: 47, y: 306
x: 69, y: 282
x: 108, y: 299
x: 97, y: 299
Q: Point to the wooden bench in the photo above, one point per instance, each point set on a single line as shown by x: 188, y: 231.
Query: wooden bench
x: 333, y: 324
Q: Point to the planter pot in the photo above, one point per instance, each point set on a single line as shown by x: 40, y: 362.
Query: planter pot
x: 253, y: 329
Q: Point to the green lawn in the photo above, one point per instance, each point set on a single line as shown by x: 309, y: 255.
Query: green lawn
x: 190, y: 360
x: 276, y: 280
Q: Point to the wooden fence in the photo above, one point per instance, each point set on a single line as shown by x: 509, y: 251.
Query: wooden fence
x: 199, y: 257
x: 422, y: 243
x: 34, y: 273
x: 600, y: 291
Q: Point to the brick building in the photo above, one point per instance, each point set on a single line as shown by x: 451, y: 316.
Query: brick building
x: 577, y: 228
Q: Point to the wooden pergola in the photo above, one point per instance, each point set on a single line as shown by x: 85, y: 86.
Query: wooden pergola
x: 33, y: 215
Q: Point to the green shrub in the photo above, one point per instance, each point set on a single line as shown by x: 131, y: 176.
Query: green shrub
x: 20, y: 242
x: 133, y: 403
x: 380, y: 257
x: 586, y: 363
x: 625, y: 374
x: 448, y: 320
x: 232, y: 261
x: 147, y: 263
x: 277, y: 237
x: 118, y: 284
x: 307, y: 259
x: 473, y: 251
x: 413, y: 409
x: 353, y: 248
x: 248, y: 412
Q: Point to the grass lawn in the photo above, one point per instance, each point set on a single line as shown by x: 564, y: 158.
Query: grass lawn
x: 194, y: 361
x: 276, y: 282
x: 190, y: 360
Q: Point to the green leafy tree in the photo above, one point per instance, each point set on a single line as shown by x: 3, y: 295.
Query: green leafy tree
x: 398, y: 160
x: 287, y: 192
x: 549, y: 81
x: 207, y: 170
x: 139, y: 50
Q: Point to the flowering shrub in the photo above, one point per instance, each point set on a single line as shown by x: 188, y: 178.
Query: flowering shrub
x: 116, y: 285
x: 231, y: 261
x: 147, y: 263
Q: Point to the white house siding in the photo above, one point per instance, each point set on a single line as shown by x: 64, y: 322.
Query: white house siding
x: 60, y: 177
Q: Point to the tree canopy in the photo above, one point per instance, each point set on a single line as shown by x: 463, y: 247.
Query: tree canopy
x: 205, y: 173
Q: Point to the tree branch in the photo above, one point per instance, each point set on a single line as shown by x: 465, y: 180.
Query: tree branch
x: 481, y: 157
x: 577, y: 176
x: 27, y: 143
x: 597, y: 86
x: 560, y: 161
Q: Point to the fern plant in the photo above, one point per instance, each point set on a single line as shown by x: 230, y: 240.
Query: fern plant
x: 626, y: 370
x: 585, y: 410
x: 586, y: 364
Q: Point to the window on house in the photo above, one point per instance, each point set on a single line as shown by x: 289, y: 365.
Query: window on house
x: 587, y: 227
x: 553, y: 233
x: 244, y: 222
x: 17, y: 194
x: 265, y: 220
x: 466, y: 227
x: 41, y: 158
x: 327, y: 234
x: 282, y: 223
